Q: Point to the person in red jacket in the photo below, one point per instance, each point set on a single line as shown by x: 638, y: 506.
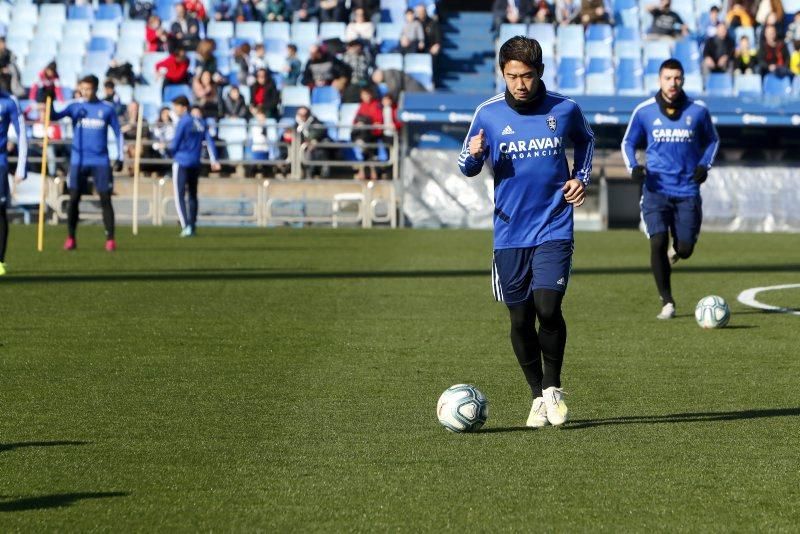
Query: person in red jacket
x: 48, y: 84
x: 370, y: 112
x: 175, y: 69
x: 155, y: 35
x: 197, y: 8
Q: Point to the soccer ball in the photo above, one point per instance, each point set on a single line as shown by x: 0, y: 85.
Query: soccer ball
x: 462, y: 408
x: 712, y: 312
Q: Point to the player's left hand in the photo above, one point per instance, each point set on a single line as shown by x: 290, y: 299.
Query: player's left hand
x: 118, y: 165
x: 700, y: 174
x: 574, y: 192
x: 215, y: 166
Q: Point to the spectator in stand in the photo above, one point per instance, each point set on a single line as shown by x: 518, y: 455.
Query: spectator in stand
x: 369, y: 113
x: 293, y: 68
x: 185, y: 29
x: 595, y: 12
x: 542, y: 12
x: 773, y: 56
x: 175, y: 69
x: 360, y: 27
x: 323, y: 68
x: 278, y: 11
x: 110, y: 95
x: 264, y: 95
x: 746, y: 61
x: 711, y: 26
x: 140, y: 9
x: 433, y: 34
x: 739, y: 14
x: 9, y: 74
x: 233, y: 104
x: 258, y: 60
x: 397, y: 81
x: 121, y: 73
x: 412, y: 37
x: 305, y: 10
x: 155, y: 35
x: 718, y: 52
x: 372, y: 8
x: 666, y: 23
x: 164, y: 131
x: 509, y: 12
x: 360, y: 65
x: 794, y: 59
x: 246, y: 11
x: 48, y: 84
x: 241, y: 58
x: 311, y: 131
x: 223, y: 10
x: 196, y: 9
x: 793, y: 31
x: 332, y: 11
x: 205, y: 60
x: 767, y: 8
x: 390, y: 119
x: 206, y: 95
x: 567, y: 11
x: 772, y: 20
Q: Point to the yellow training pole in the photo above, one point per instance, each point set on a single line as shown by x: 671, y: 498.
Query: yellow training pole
x: 137, y: 149
x: 40, y: 240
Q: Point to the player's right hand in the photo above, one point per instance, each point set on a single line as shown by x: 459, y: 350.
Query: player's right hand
x: 638, y: 174
x: 477, y: 144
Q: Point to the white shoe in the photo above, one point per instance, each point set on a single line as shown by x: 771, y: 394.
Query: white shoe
x: 667, y: 312
x: 538, y: 415
x: 672, y: 255
x: 556, y: 408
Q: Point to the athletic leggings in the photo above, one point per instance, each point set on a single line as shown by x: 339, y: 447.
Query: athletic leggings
x: 659, y: 262
x: 73, y: 212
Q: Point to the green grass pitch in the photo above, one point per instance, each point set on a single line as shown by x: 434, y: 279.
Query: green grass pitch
x: 286, y: 381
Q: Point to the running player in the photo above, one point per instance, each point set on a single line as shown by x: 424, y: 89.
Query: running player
x: 91, y: 119
x: 522, y: 134
x: 681, y: 144
x: 186, y: 149
x: 10, y: 115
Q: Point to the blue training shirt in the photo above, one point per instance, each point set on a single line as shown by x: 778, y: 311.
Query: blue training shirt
x: 10, y: 115
x: 529, y: 163
x: 187, y: 145
x: 90, y: 123
x: 675, y: 148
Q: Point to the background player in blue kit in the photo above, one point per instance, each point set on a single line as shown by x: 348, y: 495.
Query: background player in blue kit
x: 10, y: 115
x: 521, y: 133
x: 186, y: 149
x: 681, y: 145
x: 91, y: 119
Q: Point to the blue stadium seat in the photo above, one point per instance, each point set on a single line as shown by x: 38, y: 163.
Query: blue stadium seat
x: 658, y: 50
x: 304, y: 34
x: 327, y: 113
x: 544, y: 33
x: 599, y: 49
x: 325, y: 95
x: 549, y: 75
x: 599, y: 32
x: 80, y: 12
x: 223, y: 62
x: 651, y: 84
x: 125, y: 93
x: 173, y: 91
x: 599, y: 65
x: 420, y: 67
x: 624, y: 33
x: 132, y: 29
x: 332, y: 30
x: 777, y: 85
x: 220, y: 30
x: 277, y: 30
x: 693, y: 84
x: 249, y: 31
x: 24, y: 15
x: 102, y: 44
x: 19, y: 45
x: 276, y: 62
x: 389, y: 61
x: 796, y: 86
x: 77, y: 30
x: 130, y: 48
x: 628, y: 49
x: 20, y: 31
x: 52, y: 14
x: 388, y: 36
x: 148, y: 94
x: 719, y: 84
x: 109, y: 12
x: 599, y: 84
x: 234, y: 133
x: 571, y: 75
x: 629, y: 79
x: 393, y: 10
x: 165, y: 9
x: 275, y: 46
x: 572, y: 32
x: 149, y: 61
x: 688, y: 53
x: 747, y: 85
x: 96, y: 63
x: 106, y: 28
x: 294, y: 96
x: 507, y: 31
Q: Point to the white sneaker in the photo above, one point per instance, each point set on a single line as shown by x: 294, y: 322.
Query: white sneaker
x: 556, y: 408
x: 672, y: 255
x: 538, y: 415
x: 667, y: 312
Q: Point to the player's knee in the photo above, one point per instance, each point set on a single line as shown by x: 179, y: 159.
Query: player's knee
x: 684, y: 250
x: 521, y: 319
x: 659, y: 241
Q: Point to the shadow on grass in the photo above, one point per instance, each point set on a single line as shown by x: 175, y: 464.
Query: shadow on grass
x: 700, y: 417
x: 55, y: 500
x: 267, y: 274
x: 24, y: 444
x: 503, y: 429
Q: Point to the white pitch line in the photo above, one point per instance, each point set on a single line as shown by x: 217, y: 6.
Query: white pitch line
x: 748, y: 298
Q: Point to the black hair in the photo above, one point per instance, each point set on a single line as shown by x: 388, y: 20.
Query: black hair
x: 292, y: 46
x: 522, y: 49
x: 181, y: 100
x: 108, y: 84
x: 672, y: 64
x: 91, y: 80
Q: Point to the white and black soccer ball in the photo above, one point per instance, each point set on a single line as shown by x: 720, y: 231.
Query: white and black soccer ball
x: 462, y: 408
x: 712, y: 312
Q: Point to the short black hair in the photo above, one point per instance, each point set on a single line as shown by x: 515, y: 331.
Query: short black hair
x: 91, y: 79
x: 181, y: 100
x: 522, y: 49
x: 108, y: 84
x: 714, y: 8
x: 672, y: 64
x: 292, y: 46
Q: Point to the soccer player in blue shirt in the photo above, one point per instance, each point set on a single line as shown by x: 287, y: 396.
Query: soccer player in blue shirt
x: 521, y: 133
x: 186, y: 149
x: 681, y: 145
x: 10, y: 116
x: 91, y: 119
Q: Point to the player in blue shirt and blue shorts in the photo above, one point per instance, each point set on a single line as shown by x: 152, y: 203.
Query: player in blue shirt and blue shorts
x: 186, y: 150
x: 681, y: 145
x: 522, y: 133
x: 91, y: 119
x: 10, y: 116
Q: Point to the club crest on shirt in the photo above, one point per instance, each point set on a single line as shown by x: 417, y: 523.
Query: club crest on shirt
x: 688, y: 120
x: 551, y: 123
